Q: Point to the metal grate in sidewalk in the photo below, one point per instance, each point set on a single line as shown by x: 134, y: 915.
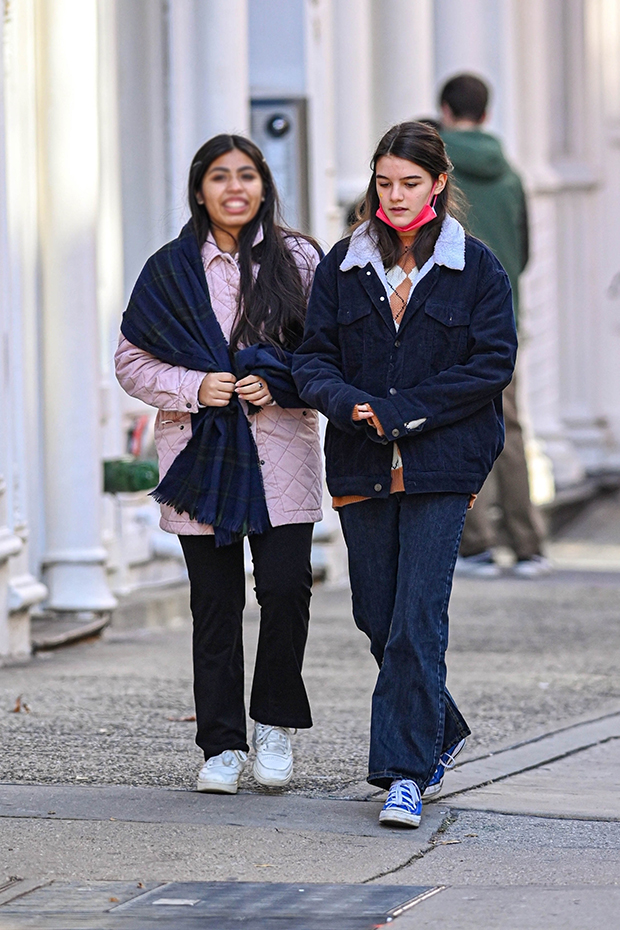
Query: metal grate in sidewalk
x: 208, y: 906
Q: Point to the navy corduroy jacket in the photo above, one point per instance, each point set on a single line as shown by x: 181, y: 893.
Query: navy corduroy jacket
x: 435, y: 385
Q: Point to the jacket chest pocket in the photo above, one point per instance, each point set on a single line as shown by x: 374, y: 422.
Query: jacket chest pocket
x: 447, y: 326
x: 354, y: 320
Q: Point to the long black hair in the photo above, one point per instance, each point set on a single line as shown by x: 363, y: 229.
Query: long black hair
x: 421, y: 144
x: 272, y: 305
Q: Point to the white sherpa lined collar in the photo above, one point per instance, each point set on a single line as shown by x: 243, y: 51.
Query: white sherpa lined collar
x: 449, y: 248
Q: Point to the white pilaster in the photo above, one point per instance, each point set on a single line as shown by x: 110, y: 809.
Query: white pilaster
x: 603, y: 50
x: 478, y: 36
x: 541, y: 310
x: 403, y: 73
x: 222, y: 78
x: 69, y: 178
x: 353, y: 80
x: 325, y: 217
x: 110, y: 296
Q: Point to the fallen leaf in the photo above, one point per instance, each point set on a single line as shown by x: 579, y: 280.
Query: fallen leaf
x: 20, y: 706
x: 140, y: 885
x: 190, y: 718
x: 449, y: 842
x: 114, y: 900
x: 263, y: 865
x: 471, y: 834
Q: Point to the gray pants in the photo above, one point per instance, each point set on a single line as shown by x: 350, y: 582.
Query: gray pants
x: 508, y: 487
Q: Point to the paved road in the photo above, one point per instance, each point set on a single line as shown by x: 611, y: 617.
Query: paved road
x: 96, y: 779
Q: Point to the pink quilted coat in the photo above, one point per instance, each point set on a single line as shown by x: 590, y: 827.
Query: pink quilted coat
x: 287, y: 441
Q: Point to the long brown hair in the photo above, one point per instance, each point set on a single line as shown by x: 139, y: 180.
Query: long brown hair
x: 272, y: 305
x: 421, y: 144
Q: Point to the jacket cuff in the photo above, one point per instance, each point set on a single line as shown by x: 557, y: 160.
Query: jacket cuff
x: 341, y: 409
x: 397, y: 423
x: 188, y: 391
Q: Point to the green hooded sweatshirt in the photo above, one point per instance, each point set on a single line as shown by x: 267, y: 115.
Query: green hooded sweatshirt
x: 497, y: 211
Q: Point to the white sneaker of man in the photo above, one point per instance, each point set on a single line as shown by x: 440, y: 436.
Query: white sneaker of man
x: 220, y: 774
x: 273, y: 764
x: 535, y: 567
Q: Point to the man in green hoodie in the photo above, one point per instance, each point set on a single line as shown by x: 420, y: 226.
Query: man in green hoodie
x: 497, y: 214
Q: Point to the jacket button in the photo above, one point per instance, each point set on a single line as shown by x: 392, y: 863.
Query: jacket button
x: 393, y: 391
x: 305, y: 413
x: 181, y: 427
x: 262, y: 461
x: 382, y: 298
x: 378, y: 487
x: 397, y: 343
x: 395, y: 432
x: 188, y: 405
x: 368, y: 272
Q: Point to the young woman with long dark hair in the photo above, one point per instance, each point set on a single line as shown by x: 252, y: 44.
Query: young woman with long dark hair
x: 409, y: 342
x: 208, y: 338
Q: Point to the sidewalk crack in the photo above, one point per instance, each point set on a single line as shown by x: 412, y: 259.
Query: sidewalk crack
x: 450, y: 818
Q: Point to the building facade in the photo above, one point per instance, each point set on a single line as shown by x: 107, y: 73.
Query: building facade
x: 102, y: 105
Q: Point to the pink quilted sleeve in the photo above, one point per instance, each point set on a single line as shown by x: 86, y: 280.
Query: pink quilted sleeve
x: 306, y: 258
x: 168, y: 387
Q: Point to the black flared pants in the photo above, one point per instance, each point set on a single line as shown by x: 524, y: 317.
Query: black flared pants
x: 283, y: 579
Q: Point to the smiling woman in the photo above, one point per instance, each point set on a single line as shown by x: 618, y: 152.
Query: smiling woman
x: 208, y: 338
x: 231, y: 192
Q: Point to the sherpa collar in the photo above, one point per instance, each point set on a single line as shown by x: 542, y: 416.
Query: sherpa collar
x: 449, y: 248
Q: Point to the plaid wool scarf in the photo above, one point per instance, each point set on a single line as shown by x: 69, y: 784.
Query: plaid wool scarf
x: 216, y: 478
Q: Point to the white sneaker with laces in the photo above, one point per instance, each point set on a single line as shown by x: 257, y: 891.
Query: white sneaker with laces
x: 220, y: 774
x: 273, y: 765
x: 536, y: 567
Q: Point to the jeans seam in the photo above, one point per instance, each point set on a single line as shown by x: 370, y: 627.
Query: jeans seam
x: 443, y: 648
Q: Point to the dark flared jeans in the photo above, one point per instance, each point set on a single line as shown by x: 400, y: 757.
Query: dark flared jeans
x: 283, y: 578
x: 402, y: 552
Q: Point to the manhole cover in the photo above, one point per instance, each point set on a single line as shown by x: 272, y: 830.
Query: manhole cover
x: 211, y: 906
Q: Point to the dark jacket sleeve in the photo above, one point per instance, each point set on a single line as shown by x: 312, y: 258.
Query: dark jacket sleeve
x: 317, y: 364
x: 461, y: 390
x: 524, y: 230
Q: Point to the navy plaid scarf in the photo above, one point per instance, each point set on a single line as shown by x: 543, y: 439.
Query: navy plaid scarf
x: 216, y: 478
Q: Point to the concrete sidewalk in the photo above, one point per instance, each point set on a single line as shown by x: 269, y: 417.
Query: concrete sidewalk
x: 97, y: 778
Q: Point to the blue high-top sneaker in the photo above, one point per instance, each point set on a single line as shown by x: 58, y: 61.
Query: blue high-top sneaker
x: 403, y: 807
x: 446, y: 761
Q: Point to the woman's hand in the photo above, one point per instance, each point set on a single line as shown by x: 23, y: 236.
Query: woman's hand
x: 365, y: 412
x: 255, y: 390
x: 216, y: 389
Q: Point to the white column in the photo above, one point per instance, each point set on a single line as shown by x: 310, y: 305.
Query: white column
x: 69, y: 177
x: 110, y: 296
x: 186, y: 86
x: 222, y: 80
x: 603, y: 61
x: 19, y: 590
x: 325, y: 217
x: 402, y: 62
x: 353, y: 79
x: 541, y: 315
x: 478, y: 36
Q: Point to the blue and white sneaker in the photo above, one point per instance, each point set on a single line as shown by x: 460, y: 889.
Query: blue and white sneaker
x: 446, y: 761
x: 403, y: 807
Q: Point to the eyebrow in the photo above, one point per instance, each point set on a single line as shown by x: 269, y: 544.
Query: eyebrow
x: 229, y: 171
x: 408, y: 177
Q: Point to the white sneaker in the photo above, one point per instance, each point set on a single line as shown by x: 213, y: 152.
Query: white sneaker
x: 536, y: 567
x: 220, y: 774
x: 273, y: 765
x: 481, y: 565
